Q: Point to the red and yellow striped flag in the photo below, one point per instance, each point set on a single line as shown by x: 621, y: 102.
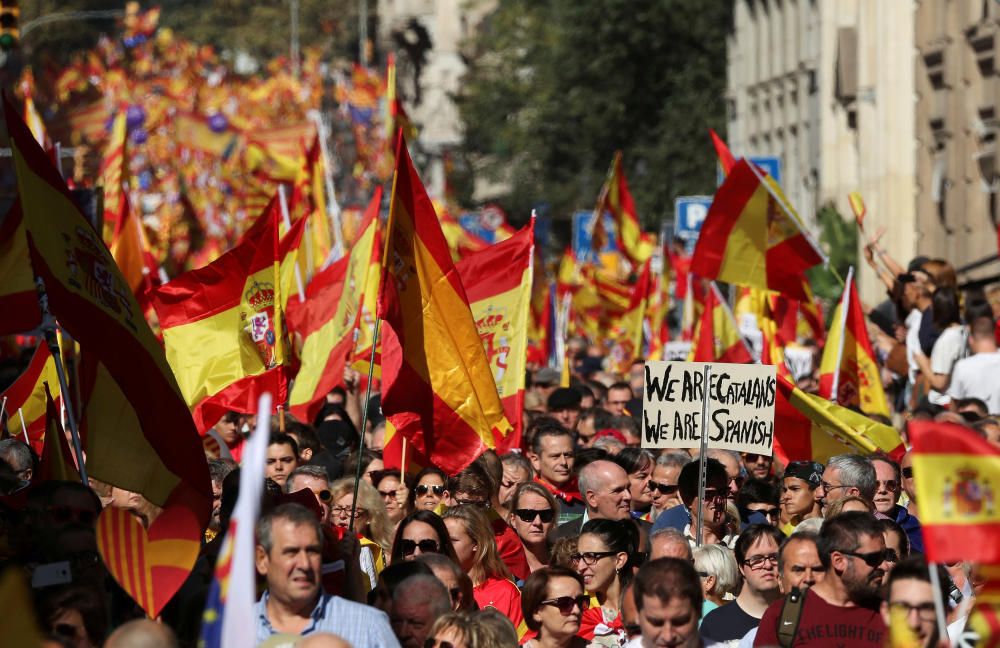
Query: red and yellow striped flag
x: 18, y: 298
x: 222, y: 323
x: 848, y: 373
x: 438, y: 390
x: 26, y: 397
x: 57, y: 463
x: 615, y: 197
x: 717, y: 337
x: 626, y: 329
x: 112, y: 175
x: 753, y: 237
x: 957, y: 476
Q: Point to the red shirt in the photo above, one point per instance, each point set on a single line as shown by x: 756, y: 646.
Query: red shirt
x: 824, y: 625
x: 503, y: 595
x: 510, y: 548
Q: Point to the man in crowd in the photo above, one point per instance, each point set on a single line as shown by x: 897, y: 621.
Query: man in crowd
x: 799, y: 563
x: 669, y: 543
x: 668, y: 598
x: 416, y: 603
x: 604, y: 486
x: 282, y: 457
x: 683, y: 519
x: 551, y: 457
x: 17, y: 455
x: 846, y: 475
x: 734, y: 470
x: 888, y: 480
x: 316, y: 480
x: 971, y: 376
x: 564, y: 406
x: 843, y: 607
x: 909, y: 594
x: 619, y: 394
x: 289, y: 545
x: 757, y: 557
x: 758, y: 466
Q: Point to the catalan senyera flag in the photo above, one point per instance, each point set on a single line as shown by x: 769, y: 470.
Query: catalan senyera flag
x: 717, y: 337
x: 112, y: 175
x: 615, y: 197
x: 848, y: 373
x: 811, y: 428
x: 497, y: 282
x: 88, y: 296
x: 26, y: 397
x: 957, y: 477
x: 438, y: 390
x: 753, y: 237
x: 18, y: 298
x: 327, y: 350
x: 57, y: 462
x: 222, y: 323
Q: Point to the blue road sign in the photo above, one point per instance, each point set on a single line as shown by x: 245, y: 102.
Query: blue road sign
x: 689, y: 214
x: 770, y: 163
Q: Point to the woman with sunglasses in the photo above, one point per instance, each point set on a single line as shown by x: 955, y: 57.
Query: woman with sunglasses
x: 475, y: 545
x: 421, y: 532
x: 553, y: 603
x: 533, y: 515
x: 391, y: 489
x: 430, y: 489
x: 603, y: 560
x: 371, y: 524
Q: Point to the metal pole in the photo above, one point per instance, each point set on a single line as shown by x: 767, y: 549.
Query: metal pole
x: 942, y: 622
x: 364, y: 422
x: 363, y: 32
x: 703, y: 456
x: 294, y: 45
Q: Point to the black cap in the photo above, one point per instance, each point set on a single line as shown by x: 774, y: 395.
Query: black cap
x: 339, y: 437
x: 809, y: 471
x: 564, y: 398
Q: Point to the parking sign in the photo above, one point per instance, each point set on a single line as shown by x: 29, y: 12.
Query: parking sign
x: 689, y: 214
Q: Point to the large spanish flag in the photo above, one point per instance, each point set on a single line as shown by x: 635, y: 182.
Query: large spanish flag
x: 25, y: 398
x: 616, y: 198
x: 497, y: 282
x: 222, y: 323
x: 809, y: 427
x: 717, y: 337
x: 88, y: 295
x: 327, y: 349
x: 848, y: 373
x: 753, y: 237
x: 437, y: 388
x: 18, y: 298
x: 957, y: 476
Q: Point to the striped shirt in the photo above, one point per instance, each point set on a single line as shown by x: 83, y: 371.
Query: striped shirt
x: 360, y: 625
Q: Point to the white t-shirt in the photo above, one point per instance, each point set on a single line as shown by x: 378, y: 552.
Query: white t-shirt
x: 948, y: 349
x: 913, y: 342
x: 978, y: 376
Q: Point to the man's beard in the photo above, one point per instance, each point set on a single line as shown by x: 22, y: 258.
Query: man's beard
x: 864, y: 592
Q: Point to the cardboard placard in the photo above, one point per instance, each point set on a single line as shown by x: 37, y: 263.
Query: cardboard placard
x: 741, y: 406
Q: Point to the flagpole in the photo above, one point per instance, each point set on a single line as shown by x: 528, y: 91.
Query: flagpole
x: 49, y: 328
x: 942, y: 622
x: 402, y: 463
x: 24, y: 428
x: 3, y: 410
x: 703, y: 457
x: 845, y: 304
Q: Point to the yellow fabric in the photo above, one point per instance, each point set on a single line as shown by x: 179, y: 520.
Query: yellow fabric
x: 366, y: 327
x: 502, y: 322
x: 844, y: 428
x: 746, y: 247
x: 946, y: 484
x: 111, y: 173
x: 725, y: 332
x: 20, y: 628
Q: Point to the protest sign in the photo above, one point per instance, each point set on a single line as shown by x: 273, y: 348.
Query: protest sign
x: 740, y: 407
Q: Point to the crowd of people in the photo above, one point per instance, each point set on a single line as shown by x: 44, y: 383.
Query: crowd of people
x: 581, y: 537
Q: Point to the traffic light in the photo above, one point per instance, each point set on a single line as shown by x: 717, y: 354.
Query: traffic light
x: 9, y: 31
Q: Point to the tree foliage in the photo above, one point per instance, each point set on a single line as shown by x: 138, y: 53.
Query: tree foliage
x: 554, y: 87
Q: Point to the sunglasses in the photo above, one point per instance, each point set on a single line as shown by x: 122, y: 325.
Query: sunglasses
x: 665, y: 489
x: 566, y: 604
x: 908, y: 472
x: 874, y: 558
x: 409, y: 547
x: 389, y: 494
x: 889, y: 484
x: 423, y: 489
x: 529, y: 515
x: 769, y: 512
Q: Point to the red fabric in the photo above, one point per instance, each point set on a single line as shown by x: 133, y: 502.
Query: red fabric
x: 501, y: 594
x: 725, y: 156
x: 823, y: 625
x: 569, y: 494
x: 510, y: 548
x: 595, y: 622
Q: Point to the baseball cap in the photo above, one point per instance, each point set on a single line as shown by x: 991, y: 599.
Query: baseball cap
x: 564, y: 398
x: 809, y: 471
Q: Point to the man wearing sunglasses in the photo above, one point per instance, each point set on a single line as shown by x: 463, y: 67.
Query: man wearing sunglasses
x: 888, y: 480
x: 844, y: 607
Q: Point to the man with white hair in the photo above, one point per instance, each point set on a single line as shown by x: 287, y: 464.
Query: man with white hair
x: 846, y: 475
x: 604, y: 486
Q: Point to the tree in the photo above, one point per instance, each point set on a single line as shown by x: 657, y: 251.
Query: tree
x: 554, y: 88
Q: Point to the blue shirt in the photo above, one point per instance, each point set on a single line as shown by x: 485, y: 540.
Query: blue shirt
x: 360, y: 625
x: 675, y: 517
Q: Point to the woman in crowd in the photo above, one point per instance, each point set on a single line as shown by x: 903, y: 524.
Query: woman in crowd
x: 638, y: 463
x: 895, y: 539
x: 533, y: 515
x: 388, y: 483
x: 463, y: 629
x: 370, y: 522
x: 603, y: 558
x: 476, y: 549
x: 74, y: 614
x: 663, y: 482
x: 553, y: 603
x: 850, y: 503
x: 430, y: 489
x: 949, y: 347
x: 421, y: 532
x: 719, y: 574
x: 798, y: 501
x: 371, y: 462
x: 517, y: 470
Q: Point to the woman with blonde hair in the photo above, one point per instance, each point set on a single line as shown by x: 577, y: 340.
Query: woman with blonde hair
x: 533, y: 515
x: 462, y: 629
x: 720, y: 576
x: 848, y: 504
x: 371, y: 522
x: 476, y: 548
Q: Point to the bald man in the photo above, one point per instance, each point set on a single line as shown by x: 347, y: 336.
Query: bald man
x: 142, y: 633
x: 604, y: 486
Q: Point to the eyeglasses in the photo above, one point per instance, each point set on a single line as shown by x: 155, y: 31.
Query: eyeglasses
x: 529, y: 515
x: 67, y: 514
x: 346, y: 511
x: 907, y: 472
x: 565, y: 604
x: 590, y: 558
x: 889, y: 484
x: 769, y: 512
x: 758, y: 561
x: 829, y: 487
x: 423, y: 489
x: 665, y: 489
x: 409, y: 547
x: 874, y: 558
x: 925, y: 611
x: 754, y: 458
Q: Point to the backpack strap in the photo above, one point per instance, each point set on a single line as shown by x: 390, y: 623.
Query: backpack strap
x: 791, y: 613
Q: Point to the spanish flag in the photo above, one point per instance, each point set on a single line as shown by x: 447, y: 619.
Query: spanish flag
x: 26, y: 397
x: 626, y: 330
x: 726, y: 160
x: 615, y: 197
x: 753, y: 237
x: 811, y: 428
x: 327, y: 349
x: 957, y: 476
x: 497, y: 282
x: 113, y: 175
x: 18, y: 298
x: 848, y: 373
x: 656, y: 314
x: 438, y: 390
x: 222, y: 323
x: 366, y: 318
x: 57, y: 462
x: 717, y: 337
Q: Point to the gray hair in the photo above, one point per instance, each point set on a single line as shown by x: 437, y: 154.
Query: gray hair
x: 673, y: 459
x: 857, y: 472
x: 425, y: 589
x: 309, y: 470
x: 717, y: 560
x: 16, y: 453
x: 609, y: 444
x: 441, y: 561
x: 518, y: 460
x: 809, y: 526
x: 218, y: 469
x: 297, y: 514
x: 672, y: 535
